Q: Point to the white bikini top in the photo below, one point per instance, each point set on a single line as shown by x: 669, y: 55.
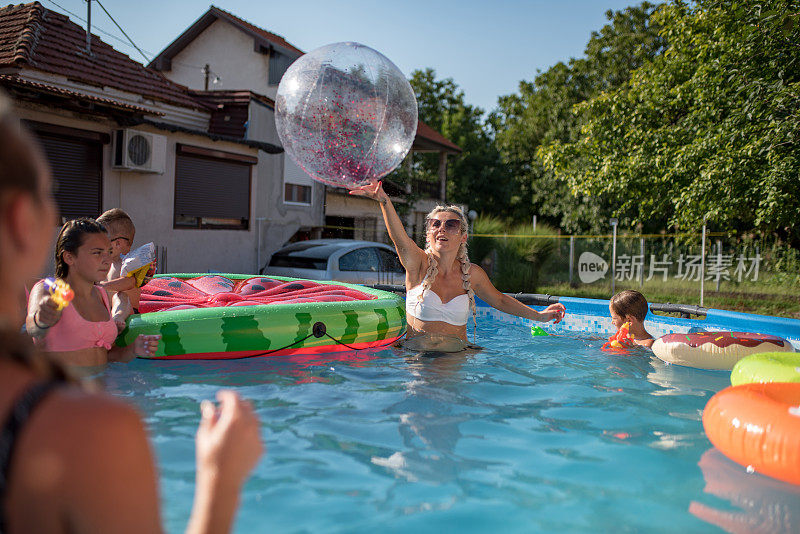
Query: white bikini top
x: 431, y: 308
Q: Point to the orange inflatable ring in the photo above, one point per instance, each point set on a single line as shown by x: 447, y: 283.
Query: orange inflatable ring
x: 715, y: 350
x: 758, y: 426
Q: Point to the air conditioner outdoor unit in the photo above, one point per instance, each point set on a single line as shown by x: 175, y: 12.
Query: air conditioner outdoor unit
x: 139, y: 151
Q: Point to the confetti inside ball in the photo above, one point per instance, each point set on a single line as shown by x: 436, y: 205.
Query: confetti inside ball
x: 346, y: 114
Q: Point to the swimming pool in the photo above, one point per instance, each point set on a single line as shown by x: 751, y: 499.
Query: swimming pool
x: 545, y: 434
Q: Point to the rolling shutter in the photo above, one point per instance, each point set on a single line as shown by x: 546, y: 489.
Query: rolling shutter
x: 278, y: 63
x: 211, y: 188
x: 77, y: 166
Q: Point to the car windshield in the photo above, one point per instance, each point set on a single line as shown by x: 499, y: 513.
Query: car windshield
x: 304, y: 256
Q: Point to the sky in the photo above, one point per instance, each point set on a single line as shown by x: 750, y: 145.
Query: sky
x: 486, y: 47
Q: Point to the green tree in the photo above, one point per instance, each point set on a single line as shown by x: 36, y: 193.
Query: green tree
x: 541, y: 113
x: 710, y: 129
x: 477, y: 177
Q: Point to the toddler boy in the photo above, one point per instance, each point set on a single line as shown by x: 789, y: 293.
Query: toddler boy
x: 630, y: 306
x: 121, y: 232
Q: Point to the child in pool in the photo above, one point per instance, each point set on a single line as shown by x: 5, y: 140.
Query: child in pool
x: 121, y: 232
x: 83, y: 333
x: 631, y: 307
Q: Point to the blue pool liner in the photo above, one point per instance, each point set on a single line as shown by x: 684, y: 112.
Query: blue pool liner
x: 591, y: 316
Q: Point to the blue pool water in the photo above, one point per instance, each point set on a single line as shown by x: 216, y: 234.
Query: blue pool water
x: 545, y: 434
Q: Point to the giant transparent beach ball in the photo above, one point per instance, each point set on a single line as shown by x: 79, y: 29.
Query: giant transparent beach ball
x: 345, y: 114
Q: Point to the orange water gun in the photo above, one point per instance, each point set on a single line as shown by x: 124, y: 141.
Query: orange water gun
x: 60, y: 291
x: 623, y: 339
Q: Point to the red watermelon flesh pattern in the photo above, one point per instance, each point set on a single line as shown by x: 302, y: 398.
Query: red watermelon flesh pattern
x: 169, y: 293
x: 723, y: 339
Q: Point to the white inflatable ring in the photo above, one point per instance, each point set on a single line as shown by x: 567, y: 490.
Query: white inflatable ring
x: 715, y: 350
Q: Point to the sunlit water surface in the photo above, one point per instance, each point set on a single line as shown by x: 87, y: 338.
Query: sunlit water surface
x: 544, y: 434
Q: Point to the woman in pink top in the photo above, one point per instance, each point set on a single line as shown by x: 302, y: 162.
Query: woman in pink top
x: 83, y: 333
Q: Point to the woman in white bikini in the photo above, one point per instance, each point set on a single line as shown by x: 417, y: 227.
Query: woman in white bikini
x: 441, y: 283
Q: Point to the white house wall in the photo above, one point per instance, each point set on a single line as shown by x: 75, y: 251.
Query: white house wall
x: 149, y: 200
x: 278, y: 221
x: 230, y: 54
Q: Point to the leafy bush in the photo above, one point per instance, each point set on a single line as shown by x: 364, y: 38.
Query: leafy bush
x: 481, y: 247
x: 514, y: 261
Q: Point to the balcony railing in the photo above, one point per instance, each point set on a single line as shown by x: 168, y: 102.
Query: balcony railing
x: 426, y: 189
x: 422, y: 188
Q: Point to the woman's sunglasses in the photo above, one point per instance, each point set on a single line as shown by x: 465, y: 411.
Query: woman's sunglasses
x: 450, y: 225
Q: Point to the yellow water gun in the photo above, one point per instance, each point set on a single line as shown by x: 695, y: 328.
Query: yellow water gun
x: 60, y: 291
x: 623, y: 339
x: 140, y: 263
x: 142, y: 272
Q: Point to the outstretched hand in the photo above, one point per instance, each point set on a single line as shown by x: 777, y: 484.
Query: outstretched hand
x: 145, y: 346
x: 373, y: 190
x: 228, y: 438
x: 554, y: 312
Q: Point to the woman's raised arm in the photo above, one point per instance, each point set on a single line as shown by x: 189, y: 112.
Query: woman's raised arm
x: 411, y: 256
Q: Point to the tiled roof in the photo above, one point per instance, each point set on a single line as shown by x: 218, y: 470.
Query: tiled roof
x: 37, y: 38
x: 251, y: 28
x: 230, y: 96
x: 231, y: 110
x: 13, y: 80
x: 428, y: 138
x: 163, y: 59
x: 269, y: 148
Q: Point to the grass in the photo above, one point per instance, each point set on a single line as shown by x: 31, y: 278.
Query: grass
x: 778, y: 301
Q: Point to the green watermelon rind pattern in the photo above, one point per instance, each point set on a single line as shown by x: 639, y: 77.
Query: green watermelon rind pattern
x: 272, y: 326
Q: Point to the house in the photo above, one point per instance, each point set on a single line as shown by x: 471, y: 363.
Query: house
x: 118, y: 134
x: 245, y: 60
x: 352, y: 217
x: 221, y: 53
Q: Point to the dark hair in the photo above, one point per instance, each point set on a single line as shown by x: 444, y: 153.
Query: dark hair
x: 21, y: 164
x: 71, y: 237
x: 116, y: 216
x: 20, y: 159
x: 629, y: 302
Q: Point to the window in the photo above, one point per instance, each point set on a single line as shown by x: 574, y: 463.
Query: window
x: 361, y: 259
x: 298, y: 262
x: 297, y: 184
x: 278, y: 63
x: 76, y: 159
x: 298, y: 194
x: 304, y: 255
x: 212, y: 189
x: 390, y: 263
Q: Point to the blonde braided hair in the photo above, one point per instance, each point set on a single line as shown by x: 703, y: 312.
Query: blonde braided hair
x: 433, y: 265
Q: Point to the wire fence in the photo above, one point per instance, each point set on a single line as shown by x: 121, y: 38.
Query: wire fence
x: 676, y: 260
x: 640, y: 259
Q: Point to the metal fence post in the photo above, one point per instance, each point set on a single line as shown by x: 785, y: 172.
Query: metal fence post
x: 641, y: 267
x: 613, y: 222
x: 703, y: 264
x: 719, y: 261
x: 571, y: 256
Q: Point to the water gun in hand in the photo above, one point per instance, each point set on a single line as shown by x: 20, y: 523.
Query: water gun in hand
x: 538, y: 331
x: 623, y: 339
x: 140, y: 264
x: 60, y: 292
